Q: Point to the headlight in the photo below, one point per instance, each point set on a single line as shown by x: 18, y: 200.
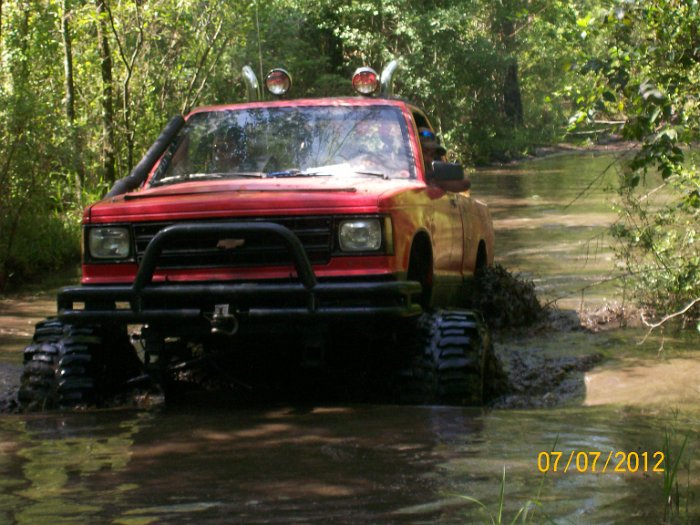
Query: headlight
x: 109, y: 243
x: 360, y: 235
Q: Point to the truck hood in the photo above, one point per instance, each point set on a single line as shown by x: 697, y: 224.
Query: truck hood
x: 240, y: 198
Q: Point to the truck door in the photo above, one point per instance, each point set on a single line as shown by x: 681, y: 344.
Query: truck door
x: 445, y: 224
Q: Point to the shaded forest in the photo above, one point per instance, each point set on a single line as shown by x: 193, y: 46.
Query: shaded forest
x: 86, y: 85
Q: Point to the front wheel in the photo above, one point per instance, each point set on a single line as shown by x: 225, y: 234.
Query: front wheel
x: 452, y: 360
x: 71, y: 366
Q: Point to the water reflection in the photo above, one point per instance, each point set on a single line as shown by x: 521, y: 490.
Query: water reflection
x: 368, y: 464
x: 54, y: 461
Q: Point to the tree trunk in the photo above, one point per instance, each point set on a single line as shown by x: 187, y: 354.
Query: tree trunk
x: 512, y: 102
x: 108, y: 147
x: 70, y: 97
x: 127, y: 126
x: 129, y: 66
x: 504, y: 26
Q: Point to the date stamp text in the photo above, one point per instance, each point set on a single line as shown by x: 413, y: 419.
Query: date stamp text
x: 593, y: 461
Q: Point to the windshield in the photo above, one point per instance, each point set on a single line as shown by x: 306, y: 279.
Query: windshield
x: 289, y: 142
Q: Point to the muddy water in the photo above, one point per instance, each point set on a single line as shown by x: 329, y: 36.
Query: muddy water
x: 551, y: 216
x: 368, y: 464
x: 379, y: 464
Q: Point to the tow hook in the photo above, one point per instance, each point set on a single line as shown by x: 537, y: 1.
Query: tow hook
x: 223, y: 322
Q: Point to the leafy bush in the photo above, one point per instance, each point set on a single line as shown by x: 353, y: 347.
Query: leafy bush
x: 657, y: 238
x: 43, y: 243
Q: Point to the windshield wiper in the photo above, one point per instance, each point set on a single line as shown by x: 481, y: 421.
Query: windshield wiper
x: 184, y: 177
x: 372, y: 173
x: 295, y: 173
x: 246, y: 174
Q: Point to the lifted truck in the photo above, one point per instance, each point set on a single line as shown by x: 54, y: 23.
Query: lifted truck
x: 282, y: 231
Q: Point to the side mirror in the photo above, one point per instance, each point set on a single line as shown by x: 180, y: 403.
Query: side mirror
x: 449, y: 177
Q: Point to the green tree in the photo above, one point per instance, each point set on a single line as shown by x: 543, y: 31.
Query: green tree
x: 31, y: 144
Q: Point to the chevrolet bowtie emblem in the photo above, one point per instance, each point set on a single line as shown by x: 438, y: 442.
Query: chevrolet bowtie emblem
x: 229, y: 244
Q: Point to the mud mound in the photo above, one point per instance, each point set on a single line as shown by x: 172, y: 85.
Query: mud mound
x: 8, y: 402
x: 536, y: 381
x: 507, y: 300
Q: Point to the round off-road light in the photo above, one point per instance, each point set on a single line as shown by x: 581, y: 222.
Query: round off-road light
x: 365, y: 81
x: 278, y: 82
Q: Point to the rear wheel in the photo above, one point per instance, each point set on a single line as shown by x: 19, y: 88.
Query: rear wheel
x: 452, y: 362
x: 71, y: 366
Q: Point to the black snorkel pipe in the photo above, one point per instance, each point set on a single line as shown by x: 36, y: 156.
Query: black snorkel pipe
x: 140, y: 172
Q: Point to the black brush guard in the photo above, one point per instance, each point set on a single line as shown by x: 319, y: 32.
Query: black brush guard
x: 304, y: 298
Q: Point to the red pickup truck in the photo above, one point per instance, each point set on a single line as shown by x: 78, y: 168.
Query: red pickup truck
x: 287, y: 232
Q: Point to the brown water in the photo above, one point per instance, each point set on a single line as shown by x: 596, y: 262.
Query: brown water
x: 385, y: 464
x: 551, y: 216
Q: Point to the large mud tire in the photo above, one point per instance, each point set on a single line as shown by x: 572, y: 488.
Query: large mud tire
x: 453, y: 362
x: 69, y: 366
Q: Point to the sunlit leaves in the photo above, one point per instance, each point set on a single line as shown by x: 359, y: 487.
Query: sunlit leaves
x: 650, y: 92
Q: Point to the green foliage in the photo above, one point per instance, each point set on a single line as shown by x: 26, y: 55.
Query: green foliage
x: 673, y: 454
x: 647, y: 77
x: 43, y: 245
x: 657, y: 234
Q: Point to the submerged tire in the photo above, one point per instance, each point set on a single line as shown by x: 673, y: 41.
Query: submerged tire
x: 453, y: 360
x: 70, y: 366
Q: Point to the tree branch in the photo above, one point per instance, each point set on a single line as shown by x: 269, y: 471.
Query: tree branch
x: 116, y: 34
x: 188, y: 102
x: 654, y: 326
x: 209, y: 71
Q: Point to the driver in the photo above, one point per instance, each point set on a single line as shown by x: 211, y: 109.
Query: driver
x: 228, y: 151
x: 432, y: 150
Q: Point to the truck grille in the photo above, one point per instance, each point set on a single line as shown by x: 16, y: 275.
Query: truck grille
x: 315, y: 234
